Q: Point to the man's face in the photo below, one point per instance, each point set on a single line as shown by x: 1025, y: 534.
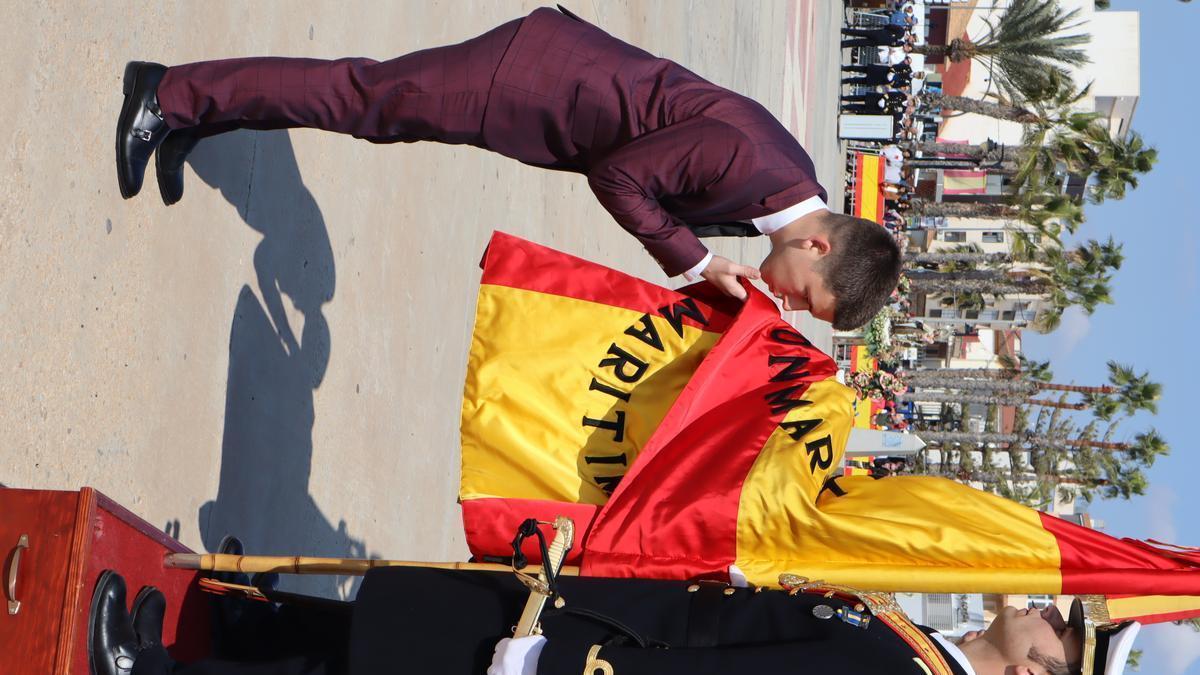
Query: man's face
x: 790, y: 272
x: 1017, y: 633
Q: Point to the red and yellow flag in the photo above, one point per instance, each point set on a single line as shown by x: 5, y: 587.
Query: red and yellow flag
x: 868, y: 198
x: 686, y: 433
x: 572, y: 372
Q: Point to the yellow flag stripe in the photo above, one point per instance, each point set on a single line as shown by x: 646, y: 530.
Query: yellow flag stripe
x: 529, y: 393
x: 910, y: 534
x: 1123, y: 609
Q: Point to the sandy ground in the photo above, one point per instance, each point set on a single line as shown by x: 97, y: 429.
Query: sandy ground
x: 281, y: 354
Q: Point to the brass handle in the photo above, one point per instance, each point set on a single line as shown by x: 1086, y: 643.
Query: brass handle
x: 14, y: 605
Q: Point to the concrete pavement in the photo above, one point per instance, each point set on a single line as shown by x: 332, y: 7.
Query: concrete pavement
x: 281, y: 354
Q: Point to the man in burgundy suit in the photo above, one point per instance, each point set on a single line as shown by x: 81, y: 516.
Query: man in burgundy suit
x: 671, y: 156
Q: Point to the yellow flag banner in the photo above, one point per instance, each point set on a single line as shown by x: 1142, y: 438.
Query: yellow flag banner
x: 686, y: 433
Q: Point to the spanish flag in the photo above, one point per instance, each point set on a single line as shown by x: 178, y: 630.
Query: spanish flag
x: 574, y: 383
x: 687, y: 434
x: 868, y: 198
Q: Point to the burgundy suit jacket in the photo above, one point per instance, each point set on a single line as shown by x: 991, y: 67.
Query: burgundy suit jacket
x: 668, y: 154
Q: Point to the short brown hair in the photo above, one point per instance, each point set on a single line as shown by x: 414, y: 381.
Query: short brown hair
x: 861, y: 270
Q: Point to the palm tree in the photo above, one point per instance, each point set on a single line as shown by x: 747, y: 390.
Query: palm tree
x: 1057, y: 136
x: 992, y: 398
x: 1011, y: 369
x: 1042, y: 207
x: 1027, y: 42
x: 1145, y: 447
x: 970, y: 254
x: 1137, y: 389
x: 1077, y: 277
x: 1003, y: 109
x: 998, y: 157
x: 1128, y: 393
x: 1051, y: 458
x: 989, y: 282
x: 1117, y: 162
x: 925, y: 207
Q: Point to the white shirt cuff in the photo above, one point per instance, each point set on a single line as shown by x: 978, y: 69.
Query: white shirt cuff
x: 694, y: 273
x: 776, y: 221
x: 517, y: 656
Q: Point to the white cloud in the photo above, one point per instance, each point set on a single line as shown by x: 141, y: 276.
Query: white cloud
x: 1175, y: 647
x: 1074, y: 327
x: 1160, y: 514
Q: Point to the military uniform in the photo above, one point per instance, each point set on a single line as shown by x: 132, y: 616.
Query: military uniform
x: 432, y: 622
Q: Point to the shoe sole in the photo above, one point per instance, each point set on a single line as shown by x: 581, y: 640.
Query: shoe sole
x: 127, y: 85
x: 100, y: 583
x: 158, y: 176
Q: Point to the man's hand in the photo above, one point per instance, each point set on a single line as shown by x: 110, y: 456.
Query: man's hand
x: 723, y: 273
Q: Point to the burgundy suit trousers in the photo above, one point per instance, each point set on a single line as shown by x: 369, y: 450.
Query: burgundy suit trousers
x: 436, y: 94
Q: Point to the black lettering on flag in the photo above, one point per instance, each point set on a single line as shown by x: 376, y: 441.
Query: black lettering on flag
x: 789, y: 337
x: 608, y: 483
x: 606, y: 459
x: 617, y: 426
x: 781, y: 401
x: 820, y: 453
x: 597, y: 385
x: 647, y: 334
x: 797, y: 429
x: 674, y: 314
x: 792, y: 371
x: 622, y: 358
x: 832, y: 485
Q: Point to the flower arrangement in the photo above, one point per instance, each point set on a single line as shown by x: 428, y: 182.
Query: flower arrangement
x: 880, y: 385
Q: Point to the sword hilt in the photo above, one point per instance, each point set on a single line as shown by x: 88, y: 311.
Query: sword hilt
x: 556, y: 553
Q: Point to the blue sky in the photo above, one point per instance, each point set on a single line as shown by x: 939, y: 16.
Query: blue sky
x: 1155, y: 321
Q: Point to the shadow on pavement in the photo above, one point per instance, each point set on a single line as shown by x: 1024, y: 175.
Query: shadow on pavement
x: 274, y: 366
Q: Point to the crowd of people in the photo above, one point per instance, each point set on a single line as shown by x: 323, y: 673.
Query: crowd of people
x: 880, y: 79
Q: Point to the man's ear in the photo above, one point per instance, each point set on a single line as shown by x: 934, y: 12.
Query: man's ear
x: 819, y: 242
x: 1021, y: 670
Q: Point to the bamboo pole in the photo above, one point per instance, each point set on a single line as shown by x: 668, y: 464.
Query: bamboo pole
x: 287, y: 564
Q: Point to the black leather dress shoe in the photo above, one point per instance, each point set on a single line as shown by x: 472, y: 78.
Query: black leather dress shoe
x: 112, y: 643
x: 149, y: 607
x: 140, y: 128
x: 263, y: 581
x: 168, y: 163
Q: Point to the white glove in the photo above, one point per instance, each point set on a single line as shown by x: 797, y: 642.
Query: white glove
x: 517, y: 656
x: 737, y: 578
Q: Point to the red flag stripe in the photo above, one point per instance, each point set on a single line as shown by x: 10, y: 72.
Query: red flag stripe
x: 491, y: 523
x: 518, y: 263
x: 1093, y: 562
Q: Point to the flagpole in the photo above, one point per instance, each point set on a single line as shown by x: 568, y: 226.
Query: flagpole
x: 286, y: 564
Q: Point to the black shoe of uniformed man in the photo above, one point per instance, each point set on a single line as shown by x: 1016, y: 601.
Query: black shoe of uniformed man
x: 112, y: 642
x: 168, y: 163
x: 149, y: 608
x: 140, y: 128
